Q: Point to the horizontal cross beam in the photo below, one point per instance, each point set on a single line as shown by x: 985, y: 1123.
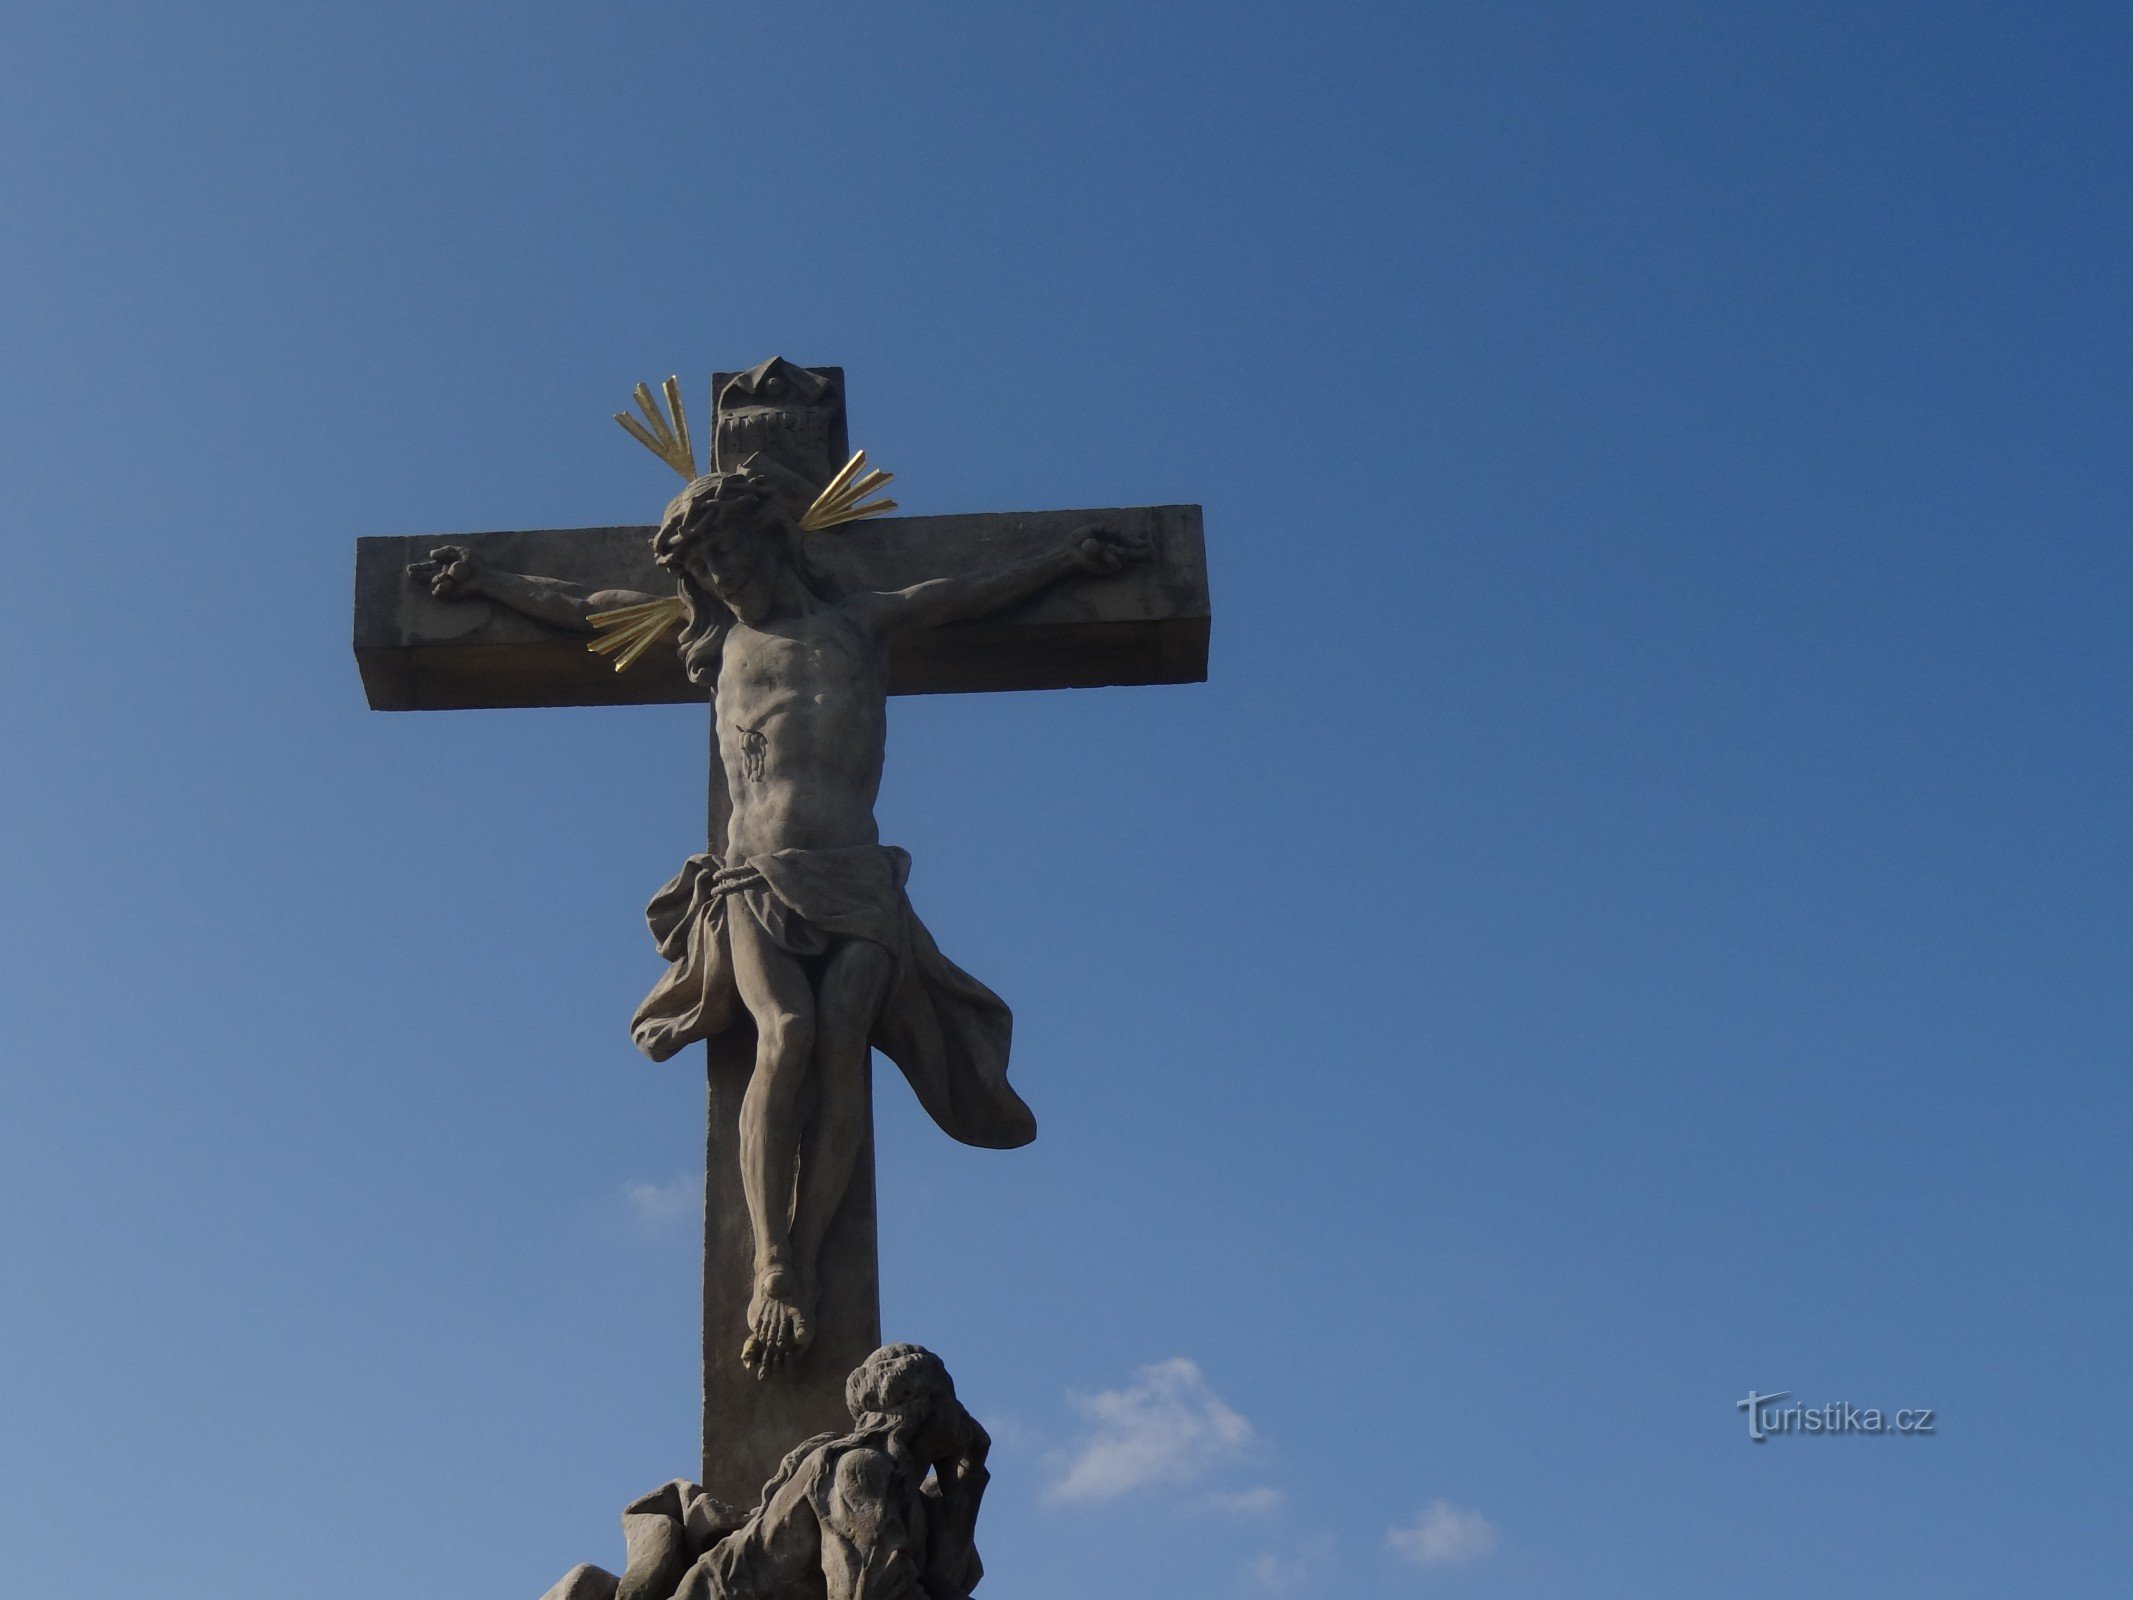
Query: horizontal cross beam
x: 1148, y: 624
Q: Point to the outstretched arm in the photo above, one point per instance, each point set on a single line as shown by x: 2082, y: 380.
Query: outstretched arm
x: 925, y: 605
x: 453, y: 573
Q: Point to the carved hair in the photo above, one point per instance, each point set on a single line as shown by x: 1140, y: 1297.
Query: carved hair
x: 896, y: 1386
x: 718, y: 499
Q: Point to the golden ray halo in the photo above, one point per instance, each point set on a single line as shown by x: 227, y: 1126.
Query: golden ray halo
x: 839, y: 501
x: 665, y: 434
x: 628, y: 631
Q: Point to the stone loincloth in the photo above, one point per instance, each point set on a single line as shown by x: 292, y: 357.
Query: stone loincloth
x: 946, y: 1031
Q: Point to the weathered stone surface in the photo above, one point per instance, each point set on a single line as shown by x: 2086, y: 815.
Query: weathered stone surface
x: 750, y: 1424
x: 884, y: 1508
x: 1147, y: 624
x: 584, y: 1583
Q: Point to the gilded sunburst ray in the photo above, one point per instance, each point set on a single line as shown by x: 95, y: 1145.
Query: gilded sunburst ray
x: 628, y: 631
x: 839, y: 501
x: 665, y: 434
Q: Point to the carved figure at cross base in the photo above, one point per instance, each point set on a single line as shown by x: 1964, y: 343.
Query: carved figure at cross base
x: 798, y: 917
x: 886, y: 1512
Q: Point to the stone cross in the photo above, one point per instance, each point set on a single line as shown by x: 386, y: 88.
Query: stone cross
x: 1139, y: 623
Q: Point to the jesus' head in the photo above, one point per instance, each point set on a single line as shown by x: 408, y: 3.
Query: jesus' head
x: 728, y: 535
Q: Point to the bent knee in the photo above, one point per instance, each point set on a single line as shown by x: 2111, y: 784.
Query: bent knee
x: 785, y: 1035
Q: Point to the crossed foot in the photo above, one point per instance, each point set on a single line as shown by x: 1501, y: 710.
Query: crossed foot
x: 781, y: 1322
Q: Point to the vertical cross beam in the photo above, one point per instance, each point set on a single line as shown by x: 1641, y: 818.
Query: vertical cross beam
x: 750, y: 1423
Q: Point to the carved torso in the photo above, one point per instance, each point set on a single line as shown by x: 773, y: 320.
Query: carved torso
x: 801, y: 707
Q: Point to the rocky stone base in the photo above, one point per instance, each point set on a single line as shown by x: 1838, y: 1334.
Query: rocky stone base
x: 585, y: 1583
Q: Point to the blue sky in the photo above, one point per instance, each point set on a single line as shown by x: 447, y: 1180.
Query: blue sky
x: 1638, y: 914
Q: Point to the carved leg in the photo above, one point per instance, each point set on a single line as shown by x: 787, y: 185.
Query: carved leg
x: 855, y: 981
x: 774, y: 1113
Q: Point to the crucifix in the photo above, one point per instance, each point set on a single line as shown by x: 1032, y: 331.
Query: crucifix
x: 776, y: 589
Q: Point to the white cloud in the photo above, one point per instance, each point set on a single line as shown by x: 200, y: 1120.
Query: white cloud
x: 659, y: 1205
x: 1278, y: 1574
x: 1258, y: 1502
x: 1011, y: 1436
x: 1167, y: 1426
x: 1444, y: 1536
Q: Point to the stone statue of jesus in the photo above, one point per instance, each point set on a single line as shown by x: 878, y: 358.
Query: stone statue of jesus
x: 798, y: 916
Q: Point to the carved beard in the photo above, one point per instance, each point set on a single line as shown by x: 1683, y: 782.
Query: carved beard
x: 744, y: 595
x: 750, y: 600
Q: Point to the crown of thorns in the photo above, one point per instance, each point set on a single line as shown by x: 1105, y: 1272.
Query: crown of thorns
x: 718, y: 494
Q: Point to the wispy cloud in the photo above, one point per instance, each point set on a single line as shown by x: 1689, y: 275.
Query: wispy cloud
x: 1278, y: 1574
x: 1257, y: 1502
x: 1442, y: 1535
x: 1166, y: 1427
x: 660, y: 1205
x: 1012, y: 1436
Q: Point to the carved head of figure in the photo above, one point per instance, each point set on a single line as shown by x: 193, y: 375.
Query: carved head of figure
x: 904, y: 1391
x: 729, y: 536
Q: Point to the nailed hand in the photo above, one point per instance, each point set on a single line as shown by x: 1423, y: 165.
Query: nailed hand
x: 450, y: 572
